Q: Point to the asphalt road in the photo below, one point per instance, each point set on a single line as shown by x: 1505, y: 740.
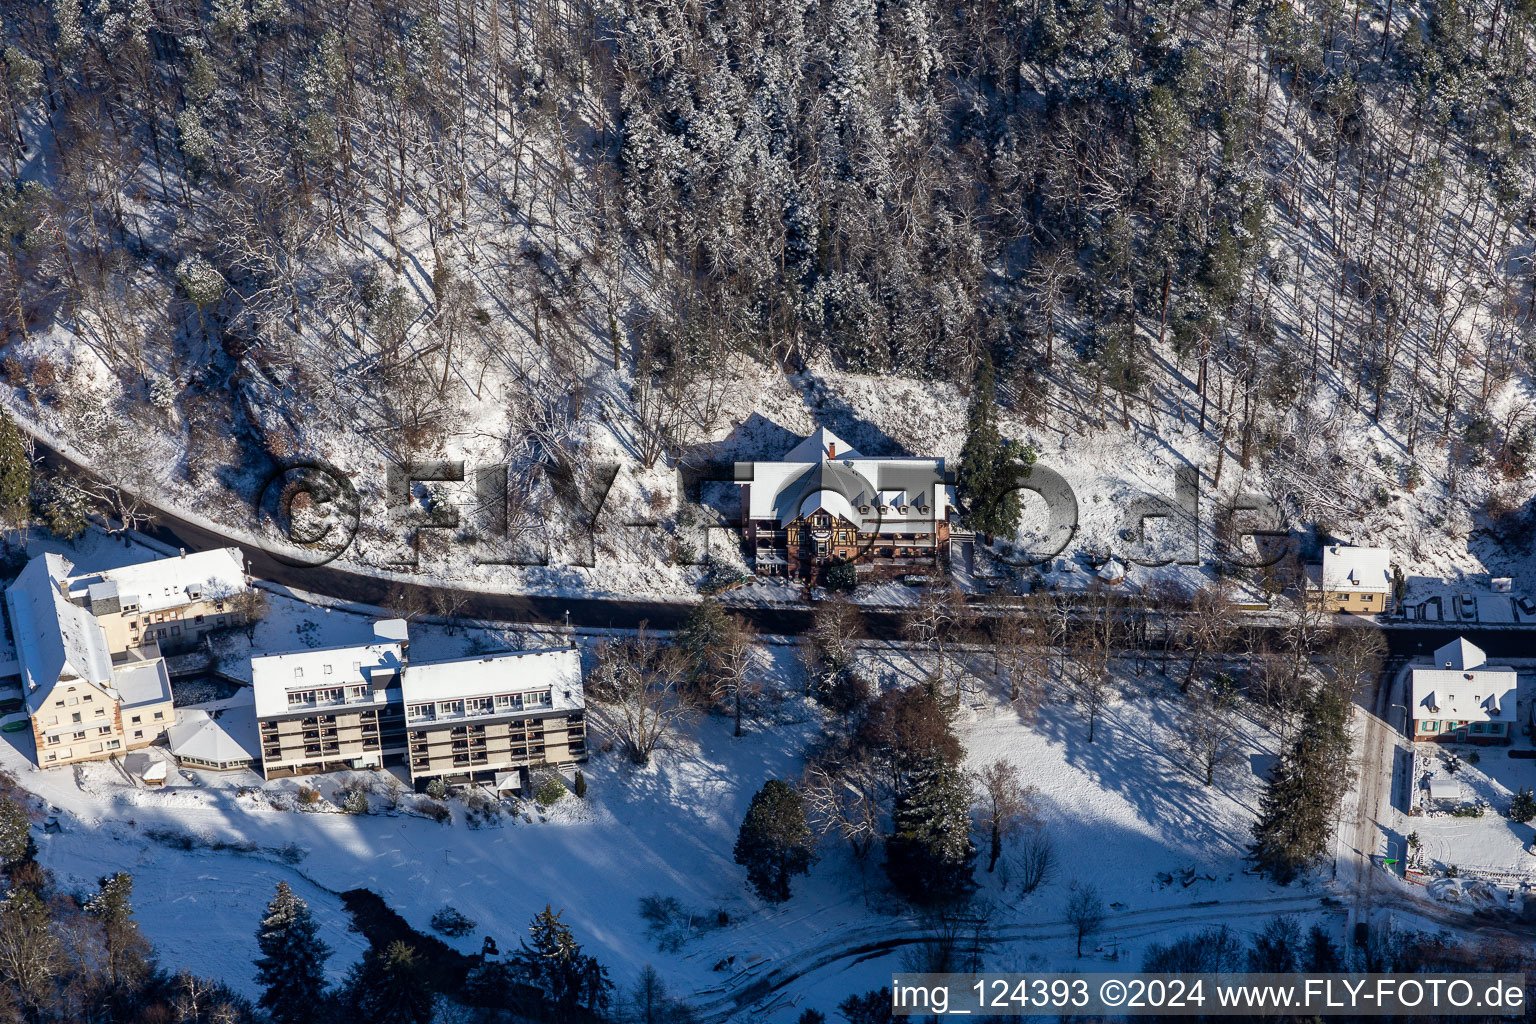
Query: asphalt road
x: 628, y: 613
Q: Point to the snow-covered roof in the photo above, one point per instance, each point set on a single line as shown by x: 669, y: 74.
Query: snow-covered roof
x: 54, y: 638
x: 1364, y: 570
x: 1460, y: 655
x: 1112, y: 571
x: 1475, y: 693
x: 142, y: 682
x: 396, y: 630
x: 557, y: 670
x: 830, y: 502
x: 229, y: 737
x: 274, y: 676
x: 1443, y: 787
x: 878, y: 495
x: 163, y: 583
x: 822, y: 444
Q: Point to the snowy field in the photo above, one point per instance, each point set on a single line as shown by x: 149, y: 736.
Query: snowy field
x: 1124, y: 814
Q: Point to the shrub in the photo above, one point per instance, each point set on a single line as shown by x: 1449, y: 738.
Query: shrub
x: 435, y: 810
x: 843, y: 576
x: 550, y: 791
x: 581, y: 785
x: 308, y: 797
x: 355, y: 802
x: 451, y: 922
x: 437, y: 789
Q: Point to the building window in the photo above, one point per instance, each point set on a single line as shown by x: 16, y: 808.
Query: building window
x: 138, y: 734
x: 136, y: 719
x: 199, y: 620
x: 75, y: 717
x: 159, y: 716
x: 1429, y: 726
x: 1368, y: 598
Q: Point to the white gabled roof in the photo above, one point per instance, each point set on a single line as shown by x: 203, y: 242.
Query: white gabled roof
x: 822, y: 444
x: 557, y: 670
x: 1460, y: 655
x: 1366, y: 570
x: 163, y: 583
x: 229, y: 737
x: 54, y: 638
x: 376, y: 665
x: 1461, y: 688
x: 809, y: 476
x: 831, y: 502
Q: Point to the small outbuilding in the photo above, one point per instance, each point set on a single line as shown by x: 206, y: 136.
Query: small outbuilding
x: 1444, y: 790
x: 223, y: 742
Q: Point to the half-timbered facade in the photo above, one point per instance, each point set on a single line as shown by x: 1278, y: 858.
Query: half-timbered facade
x: 824, y: 505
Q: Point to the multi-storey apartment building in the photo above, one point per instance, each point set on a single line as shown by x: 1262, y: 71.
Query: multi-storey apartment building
x: 465, y: 720
x: 824, y: 504
x: 324, y: 710
x: 173, y: 602
x: 474, y: 719
x: 87, y: 698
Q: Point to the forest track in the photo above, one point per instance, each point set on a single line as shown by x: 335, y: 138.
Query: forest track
x: 869, y: 941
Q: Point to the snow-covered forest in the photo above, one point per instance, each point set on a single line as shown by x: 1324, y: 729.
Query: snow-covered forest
x: 1287, y: 242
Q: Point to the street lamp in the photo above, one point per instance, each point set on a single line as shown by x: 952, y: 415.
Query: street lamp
x: 567, y: 618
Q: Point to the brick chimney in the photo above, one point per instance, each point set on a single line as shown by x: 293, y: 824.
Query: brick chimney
x: 832, y: 449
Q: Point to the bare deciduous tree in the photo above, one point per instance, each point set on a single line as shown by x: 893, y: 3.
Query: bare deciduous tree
x: 640, y: 684
x: 1004, y: 805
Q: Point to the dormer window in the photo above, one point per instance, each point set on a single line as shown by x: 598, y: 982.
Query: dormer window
x: 298, y: 673
x: 902, y: 509
x: 924, y: 509
x: 195, y: 593
x: 863, y: 510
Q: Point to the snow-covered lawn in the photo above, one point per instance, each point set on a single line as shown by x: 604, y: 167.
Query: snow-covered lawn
x: 1491, y: 846
x: 1123, y: 814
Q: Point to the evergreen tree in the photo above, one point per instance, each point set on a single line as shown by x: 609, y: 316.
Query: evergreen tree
x: 990, y: 467
x: 15, y: 470
x: 127, y: 960
x: 1523, y: 807
x: 1322, y: 956
x: 291, y: 968
x: 553, y: 962
x: 873, y: 1007
x: 929, y: 855
x: 389, y: 986
x: 775, y: 842
x: 15, y: 831
x: 1276, y: 949
x: 579, y: 787
x: 1297, y: 812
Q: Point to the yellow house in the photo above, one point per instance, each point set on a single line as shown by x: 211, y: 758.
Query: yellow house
x: 1350, y: 579
x: 173, y: 602
x: 85, y: 700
